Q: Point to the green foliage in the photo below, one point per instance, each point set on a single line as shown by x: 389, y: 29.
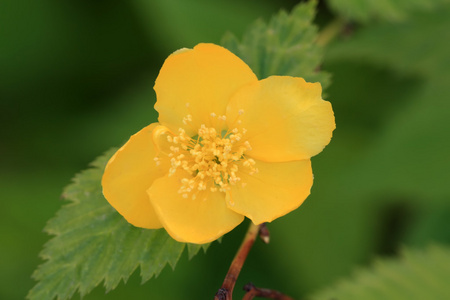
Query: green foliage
x: 93, y: 243
x: 284, y: 46
x: 393, y: 10
x: 416, y: 275
x: 409, y: 150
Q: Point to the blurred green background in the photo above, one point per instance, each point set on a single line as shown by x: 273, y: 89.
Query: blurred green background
x: 76, y: 78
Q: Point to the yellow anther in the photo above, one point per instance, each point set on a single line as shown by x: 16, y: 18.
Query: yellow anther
x: 174, y: 149
x: 187, y: 119
x: 201, y: 186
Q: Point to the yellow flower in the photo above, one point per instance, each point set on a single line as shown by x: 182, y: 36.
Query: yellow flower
x: 226, y: 146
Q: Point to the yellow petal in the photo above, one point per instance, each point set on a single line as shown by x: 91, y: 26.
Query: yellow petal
x: 285, y: 117
x: 198, y: 82
x: 128, y: 175
x: 277, y: 189
x: 200, y: 220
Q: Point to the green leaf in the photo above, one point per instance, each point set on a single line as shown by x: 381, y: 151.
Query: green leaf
x: 193, y: 249
x: 415, y: 275
x: 93, y: 243
x: 392, y: 10
x: 284, y: 46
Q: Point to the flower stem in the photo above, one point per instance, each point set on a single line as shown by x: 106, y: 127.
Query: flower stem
x: 226, y: 291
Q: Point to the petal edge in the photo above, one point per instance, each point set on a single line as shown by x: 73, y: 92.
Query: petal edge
x: 128, y: 175
x: 200, y: 220
x: 285, y: 117
x: 277, y: 189
x: 198, y: 82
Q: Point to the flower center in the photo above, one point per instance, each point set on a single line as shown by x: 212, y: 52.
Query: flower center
x: 211, y: 158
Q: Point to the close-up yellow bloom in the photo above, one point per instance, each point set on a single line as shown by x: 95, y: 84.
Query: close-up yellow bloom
x: 226, y: 146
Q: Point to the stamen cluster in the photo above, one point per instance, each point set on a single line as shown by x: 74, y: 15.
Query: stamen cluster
x: 211, y: 158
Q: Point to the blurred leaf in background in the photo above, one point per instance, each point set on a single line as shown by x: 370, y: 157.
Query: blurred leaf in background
x: 416, y: 275
x: 387, y: 10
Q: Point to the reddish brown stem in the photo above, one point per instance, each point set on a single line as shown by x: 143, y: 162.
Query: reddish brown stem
x: 226, y: 291
x: 253, y: 292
